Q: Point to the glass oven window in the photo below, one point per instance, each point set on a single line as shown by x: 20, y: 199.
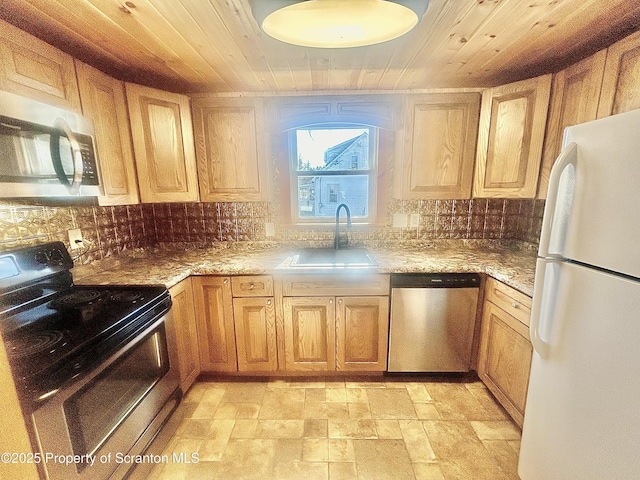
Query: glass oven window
x: 95, y: 411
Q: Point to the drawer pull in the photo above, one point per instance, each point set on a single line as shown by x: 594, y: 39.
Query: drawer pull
x: 251, y: 287
x: 515, y: 305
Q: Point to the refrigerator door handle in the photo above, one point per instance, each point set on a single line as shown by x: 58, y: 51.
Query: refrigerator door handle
x: 567, y: 157
x: 544, y: 296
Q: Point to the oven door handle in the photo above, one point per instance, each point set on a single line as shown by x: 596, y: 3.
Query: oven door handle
x: 62, y: 128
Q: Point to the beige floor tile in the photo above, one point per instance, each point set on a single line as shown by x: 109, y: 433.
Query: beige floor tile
x: 342, y: 471
x: 391, y: 404
x: 315, y: 395
x: 357, y: 395
x: 388, y: 429
x: 245, y: 392
x: 459, y: 452
x: 492, y: 409
x: 515, y: 446
x: 496, y: 430
x: 341, y: 450
x: 194, y: 428
x: 297, y: 470
x: 325, y: 410
x: 427, y: 411
x: 209, y: 403
x: 416, y: 441
x: 288, y: 450
x: 213, y: 446
x: 339, y: 428
x: 245, y: 428
x: 315, y: 450
x: 504, y: 455
x: 359, y: 410
x: 336, y: 395
x: 316, y: 428
x: 284, y: 403
x: 247, y: 459
x: 334, y: 382
x: 428, y: 471
x: 365, y: 382
x: 237, y: 410
x: 382, y: 460
x: 418, y: 392
x: 280, y: 429
x: 455, y: 402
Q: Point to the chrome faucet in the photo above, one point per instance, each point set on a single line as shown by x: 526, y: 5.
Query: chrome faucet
x: 337, y: 241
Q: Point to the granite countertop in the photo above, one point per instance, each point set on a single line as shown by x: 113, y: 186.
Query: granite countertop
x: 511, y: 263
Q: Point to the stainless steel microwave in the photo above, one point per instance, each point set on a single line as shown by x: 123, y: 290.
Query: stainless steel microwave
x: 45, y: 150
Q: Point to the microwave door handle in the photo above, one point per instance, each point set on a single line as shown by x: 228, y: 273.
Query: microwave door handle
x: 74, y: 186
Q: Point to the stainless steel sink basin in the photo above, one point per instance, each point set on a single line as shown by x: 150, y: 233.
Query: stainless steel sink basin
x: 332, y: 258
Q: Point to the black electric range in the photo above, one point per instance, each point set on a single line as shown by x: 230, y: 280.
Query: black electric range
x: 55, y: 332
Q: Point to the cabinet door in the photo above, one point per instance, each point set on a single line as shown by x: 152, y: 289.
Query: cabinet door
x: 214, y: 316
x: 255, y: 322
x: 440, y: 145
x: 103, y: 101
x: 621, y: 84
x: 35, y: 69
x: 184, y: 322
x: 163, y: 144
x: 362, y: 326
x: 230, y: 148
x: 505, y: 359
x: 510, y: 136
x: 309, y: 333
x: 573, y: 101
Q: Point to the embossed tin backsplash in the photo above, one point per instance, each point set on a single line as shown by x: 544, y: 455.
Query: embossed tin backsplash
x: 109, y: 231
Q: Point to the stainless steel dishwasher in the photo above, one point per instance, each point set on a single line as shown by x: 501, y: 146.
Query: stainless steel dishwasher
x: 432, y: 322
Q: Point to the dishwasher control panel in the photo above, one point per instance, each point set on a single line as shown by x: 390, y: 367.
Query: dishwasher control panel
x: 435, y: 280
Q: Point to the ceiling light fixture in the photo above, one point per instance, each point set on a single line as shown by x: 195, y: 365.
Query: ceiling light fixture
x: 337, y: 23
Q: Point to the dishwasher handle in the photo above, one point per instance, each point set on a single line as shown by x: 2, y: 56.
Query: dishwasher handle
x: 435, y: 280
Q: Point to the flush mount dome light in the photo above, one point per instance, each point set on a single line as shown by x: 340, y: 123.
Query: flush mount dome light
x: 337, y: 23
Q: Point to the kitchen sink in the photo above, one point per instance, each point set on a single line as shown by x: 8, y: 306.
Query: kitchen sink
x: 332, y: 258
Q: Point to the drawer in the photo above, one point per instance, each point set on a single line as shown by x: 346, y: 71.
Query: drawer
x: 509, y: 299
x: 340, y: 285
x: 252, y: 286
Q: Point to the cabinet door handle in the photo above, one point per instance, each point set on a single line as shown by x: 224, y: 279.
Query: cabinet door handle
x: 225, y: 281
x: 339, y: 302
x: 268, y: 302
x: 331, y: 302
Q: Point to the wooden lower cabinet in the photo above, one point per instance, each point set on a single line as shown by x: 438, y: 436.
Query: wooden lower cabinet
x: 345, y: 328
x: 505, y: 349
x: 309, y: 333
x: 214, y: 316
x: 362, y: 333
x: 184, y: 323
x: 255, y: 325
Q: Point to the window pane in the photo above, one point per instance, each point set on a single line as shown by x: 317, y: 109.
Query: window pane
x: 333, y: 149
x: 320, y: 195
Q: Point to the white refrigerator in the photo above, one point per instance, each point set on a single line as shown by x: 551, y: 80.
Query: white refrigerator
x: 582, y: 418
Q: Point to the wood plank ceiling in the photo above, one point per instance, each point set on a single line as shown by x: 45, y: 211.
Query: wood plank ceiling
x: 216, y: 45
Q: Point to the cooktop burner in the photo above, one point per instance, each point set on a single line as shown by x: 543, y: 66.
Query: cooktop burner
x: 35, y: 344
x: 75, y: 298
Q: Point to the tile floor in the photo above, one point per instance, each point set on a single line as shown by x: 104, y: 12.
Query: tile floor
x: 380, y: 428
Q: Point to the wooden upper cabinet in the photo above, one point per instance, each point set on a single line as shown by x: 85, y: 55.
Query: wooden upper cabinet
x: 574, y: 100
x: 510, y: 137
x: 103, y: 101
x: 163, y: 145
x: 621, y: 84
x: 231, y: 148
x: 35, y: 69
x: 439, y: 145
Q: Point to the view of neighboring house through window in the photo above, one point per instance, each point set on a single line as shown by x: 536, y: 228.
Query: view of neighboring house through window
x: 333, y: 165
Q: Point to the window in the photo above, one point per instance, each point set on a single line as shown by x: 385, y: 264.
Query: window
x: 333, y: 165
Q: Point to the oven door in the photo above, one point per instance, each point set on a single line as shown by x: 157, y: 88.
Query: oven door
x: 86, y: 431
